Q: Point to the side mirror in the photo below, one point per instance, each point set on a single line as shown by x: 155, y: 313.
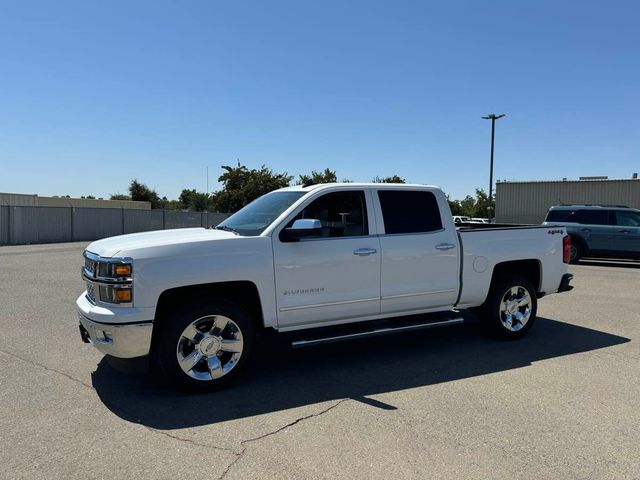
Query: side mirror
x: 303, y: 227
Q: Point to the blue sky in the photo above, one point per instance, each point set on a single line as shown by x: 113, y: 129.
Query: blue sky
x: 93, y: 94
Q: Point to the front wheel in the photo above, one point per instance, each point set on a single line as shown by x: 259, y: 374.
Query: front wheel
x: 204, y: 346
x: 510, y: 308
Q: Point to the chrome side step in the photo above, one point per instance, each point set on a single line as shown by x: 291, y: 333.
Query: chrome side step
x: 375, y: 332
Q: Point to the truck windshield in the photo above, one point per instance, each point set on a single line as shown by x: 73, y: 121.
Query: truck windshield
x: 252, y: 219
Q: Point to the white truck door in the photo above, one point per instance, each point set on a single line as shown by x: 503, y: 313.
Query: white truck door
x: 420, y: 252
x: 334, y: 275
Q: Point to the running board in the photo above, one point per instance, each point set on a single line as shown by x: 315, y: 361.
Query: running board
x: 375, y: 332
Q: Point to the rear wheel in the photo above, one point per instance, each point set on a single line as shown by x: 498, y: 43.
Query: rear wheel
x: 511, y: 307
x: 204, y: 346
x: 576, y: 251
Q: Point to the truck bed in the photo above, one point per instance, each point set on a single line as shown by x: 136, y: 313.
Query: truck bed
x: 483, y: 247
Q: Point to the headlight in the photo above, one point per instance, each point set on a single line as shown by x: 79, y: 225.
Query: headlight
x: 118, y: 271
x: 109, y: 280
x: 116, y: 293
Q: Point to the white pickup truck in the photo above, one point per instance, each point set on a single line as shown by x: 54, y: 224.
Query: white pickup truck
x: 323, y: 262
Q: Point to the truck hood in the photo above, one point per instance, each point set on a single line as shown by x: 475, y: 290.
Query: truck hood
x: 110, y: 247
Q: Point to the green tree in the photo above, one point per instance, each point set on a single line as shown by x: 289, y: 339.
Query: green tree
x: 119, y: 196
x: 241, y: 185
x: 468, y: 206
x: 200, y: 202
x: 184, y: 200
x: 326, y: 176
x: 140, y: 192
x: 391, y: 179
x: 454, y: 205
x: 483, y: 205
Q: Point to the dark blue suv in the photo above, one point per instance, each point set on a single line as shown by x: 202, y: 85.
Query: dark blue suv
x: 599, y: 230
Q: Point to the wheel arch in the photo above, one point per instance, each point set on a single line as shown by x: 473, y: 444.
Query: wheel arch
x: 578, y: 240
x: 530, y: 269
x: 243, y: 293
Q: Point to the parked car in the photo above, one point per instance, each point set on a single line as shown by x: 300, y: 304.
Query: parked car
x: 459, y: 219
x: 480, y: 220
x: 599, y: 230
x: 319, y: 263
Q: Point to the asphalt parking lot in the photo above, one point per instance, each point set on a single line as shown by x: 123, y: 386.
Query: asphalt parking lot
x: 562, y: 403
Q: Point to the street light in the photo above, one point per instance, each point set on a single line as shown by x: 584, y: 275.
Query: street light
x: 493, y: 117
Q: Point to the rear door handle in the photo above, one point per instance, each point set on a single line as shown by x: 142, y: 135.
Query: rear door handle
x: 445, y: 246
x: 585, y: 230
x: 364, y: 251
x: 624, y: 231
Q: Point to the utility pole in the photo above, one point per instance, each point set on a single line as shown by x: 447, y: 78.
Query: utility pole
x: 207, y: 180
x: 493, y: 117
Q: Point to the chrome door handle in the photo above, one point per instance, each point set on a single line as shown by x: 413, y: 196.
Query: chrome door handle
x: 445, y: 246
x: 364, y: 251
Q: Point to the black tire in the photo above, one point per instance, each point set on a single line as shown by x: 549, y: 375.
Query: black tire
x: 171, y: 342
x: 492, y: 313
x: 577, y: 251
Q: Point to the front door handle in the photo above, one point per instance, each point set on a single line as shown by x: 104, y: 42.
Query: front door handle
x: 585, y: 230
x: 364, y: 251
x: 624, y: 231
x: 445, y: 246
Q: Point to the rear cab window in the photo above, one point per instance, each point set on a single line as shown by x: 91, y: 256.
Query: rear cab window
x: 409, y: 211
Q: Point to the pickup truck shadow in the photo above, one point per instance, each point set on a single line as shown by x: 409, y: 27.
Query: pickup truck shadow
x: 283, y: 379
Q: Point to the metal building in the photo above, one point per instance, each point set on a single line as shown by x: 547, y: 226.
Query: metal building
x: 528, y: 202
x: 27, y: 200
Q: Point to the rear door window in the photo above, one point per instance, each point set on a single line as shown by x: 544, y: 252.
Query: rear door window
x: 406, y: 211
x: 591, y: 217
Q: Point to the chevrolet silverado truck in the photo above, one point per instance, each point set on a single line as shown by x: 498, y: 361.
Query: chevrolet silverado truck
x: 317, y: 263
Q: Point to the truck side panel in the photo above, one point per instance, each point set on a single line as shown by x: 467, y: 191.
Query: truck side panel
x: 484, y: 249
x: 239, y: 259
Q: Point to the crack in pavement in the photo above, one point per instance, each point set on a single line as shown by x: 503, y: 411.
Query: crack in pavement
x: 189, y: 441
x: 151, y: 429
x: 244, y: 443
x: 48, y: 369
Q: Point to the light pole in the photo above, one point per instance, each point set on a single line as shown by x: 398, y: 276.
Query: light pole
x: 493, y: 117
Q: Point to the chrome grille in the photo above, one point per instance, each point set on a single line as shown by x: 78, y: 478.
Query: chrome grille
x: 90, y: 267
x: 91, y: 292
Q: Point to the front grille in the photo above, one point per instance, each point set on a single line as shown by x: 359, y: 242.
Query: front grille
x: 90, y: 266
x: 91, y: 292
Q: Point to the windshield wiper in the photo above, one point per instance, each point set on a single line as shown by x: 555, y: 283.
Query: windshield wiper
x: 226, y: 229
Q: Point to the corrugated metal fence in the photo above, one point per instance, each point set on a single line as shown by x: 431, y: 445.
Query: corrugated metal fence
x: 25, y: 225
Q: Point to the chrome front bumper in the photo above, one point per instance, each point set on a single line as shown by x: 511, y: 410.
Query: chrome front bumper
x: 118, y: 340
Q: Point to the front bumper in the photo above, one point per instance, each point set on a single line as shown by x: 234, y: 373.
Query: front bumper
x: 122, y: 341
x: 564, y: 283
x: 118, y: 332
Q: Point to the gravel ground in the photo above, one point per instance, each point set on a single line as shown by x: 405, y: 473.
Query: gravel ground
x: 448, y: 403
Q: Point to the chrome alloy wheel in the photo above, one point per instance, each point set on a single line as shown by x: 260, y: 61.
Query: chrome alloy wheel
x: 515, y: 308
x: 210, y: 347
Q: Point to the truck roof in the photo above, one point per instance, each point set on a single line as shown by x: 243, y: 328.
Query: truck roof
x: 348, y: 185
